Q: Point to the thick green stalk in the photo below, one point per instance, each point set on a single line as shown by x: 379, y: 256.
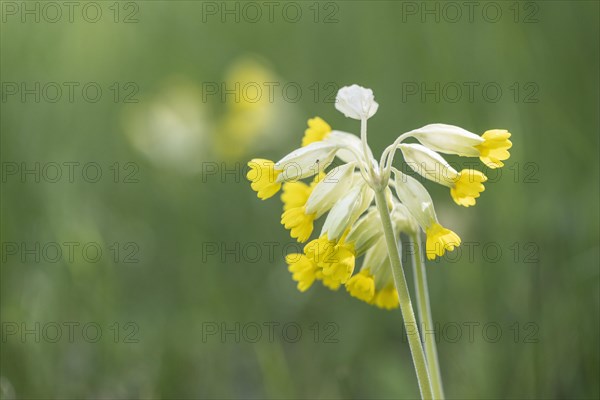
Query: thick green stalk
x: 425, y: 317
x: 410, y: 323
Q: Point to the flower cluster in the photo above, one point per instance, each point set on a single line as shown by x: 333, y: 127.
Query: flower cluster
x: 352, y: 227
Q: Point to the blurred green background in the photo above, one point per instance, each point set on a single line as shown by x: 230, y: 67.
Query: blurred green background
x: 186, y: 245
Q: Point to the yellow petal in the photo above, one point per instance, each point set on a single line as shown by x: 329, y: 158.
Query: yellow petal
x: 440, y: 239
x: 263, y: 177
x: 317, y: 130
x: 467, y: 187
x: 362, y: 286
x: 494, y: 149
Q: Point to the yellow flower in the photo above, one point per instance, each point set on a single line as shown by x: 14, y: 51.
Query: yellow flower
x: 336, y: 259
x: 440, y: 239
x: 298, y: 222
x: 467, y: 186
x: 319, y: 249
x: 362, y: 286
x: 304, y: 270
x: 353, y: 226
x: 339, y: 264
x: 386, y: 298
x: 328, y: 281
x: 317, y: 130
x: 263, y: 176
x: 294, y: 194
x: 495, y: 147
x: 315, y: 255
x: 294, y: 198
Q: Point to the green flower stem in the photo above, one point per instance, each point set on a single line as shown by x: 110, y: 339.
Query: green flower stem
x: 410, y: 323
x: 425, y: 317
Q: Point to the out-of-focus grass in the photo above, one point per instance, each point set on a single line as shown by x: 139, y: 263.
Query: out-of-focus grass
x: 546, y: 201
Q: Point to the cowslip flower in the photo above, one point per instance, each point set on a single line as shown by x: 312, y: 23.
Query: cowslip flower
x: 465, y: 186
x: 344, y: 195
x: 491, y: 147
x: 354, y: 229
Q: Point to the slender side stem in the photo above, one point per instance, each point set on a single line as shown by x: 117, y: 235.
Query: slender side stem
x: 363, y: 139
x: 387, y: 158
x: 425, y: 317
x: 406, y: 308
x: 360, y: 161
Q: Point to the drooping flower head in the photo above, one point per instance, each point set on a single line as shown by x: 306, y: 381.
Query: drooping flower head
x: 352, y: 229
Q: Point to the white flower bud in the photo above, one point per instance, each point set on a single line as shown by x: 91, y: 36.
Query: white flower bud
x: 429, y: 164
x: 356, y: 102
